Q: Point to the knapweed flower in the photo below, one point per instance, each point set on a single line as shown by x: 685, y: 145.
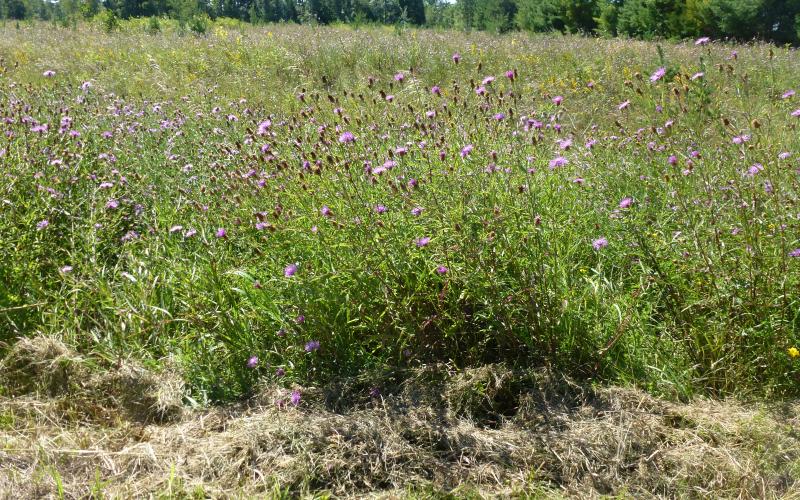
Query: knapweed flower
x: 347, y: 138
x: 416, y: 211
x: 112, y: 204
x: 189, y: 233
x: 263, y: 127
x: 221, y: 233
x: 741, y: 139
x: 481, y: 90
x: 42, y: 224
x: 295, y: 397
x: 702, y: 40
x: 466, y: 150
x: 557, y: 100
x: 252, y: 361
x: 599, y: 243
x: 793, y: 352
x: 399, y: 77
x: 673, y: 160
x: 788, y: 94
x: 435, y: 90
x: 441, y: 270
x: 422, y: 242
x: 795, y: 253
x: 325, y: 211
x: 49, y: 73
x: 66, y: 269
x: 280, y: 372
x: 558, y: 161
x: 381, y: 209
x: 796, y: 112
x: 312, y: 345
x: 624, y: 105
x: 658, y: 74
x: 500, y: 116
x: 697, y: 76
x: 626, y: 202
x: 784, y: 155
x: 290, y: 270
x: 456, y: 57
x: 510, y: 75
x: 488, y: 80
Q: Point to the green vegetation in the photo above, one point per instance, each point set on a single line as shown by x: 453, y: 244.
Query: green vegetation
x: 334, y: 201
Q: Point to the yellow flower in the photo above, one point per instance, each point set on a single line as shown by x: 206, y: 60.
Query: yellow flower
x: 793, y: 352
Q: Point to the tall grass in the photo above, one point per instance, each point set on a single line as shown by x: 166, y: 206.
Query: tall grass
x: 203, y: 202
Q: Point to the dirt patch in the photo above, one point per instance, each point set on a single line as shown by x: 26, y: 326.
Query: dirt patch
x: 425, y: 432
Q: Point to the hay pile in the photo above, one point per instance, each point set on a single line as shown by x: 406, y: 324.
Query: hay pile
x: 485, y: 432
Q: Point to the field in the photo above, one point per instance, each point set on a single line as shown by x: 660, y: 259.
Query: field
x: 290, y: 260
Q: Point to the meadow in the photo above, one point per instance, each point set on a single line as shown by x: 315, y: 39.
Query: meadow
x: 295, y: 208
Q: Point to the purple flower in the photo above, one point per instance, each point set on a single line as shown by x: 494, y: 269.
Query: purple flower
x: 436, y: 90
x: 626, y: 202
x: 741, y: 139
x: 290, y: 270
x: 312, y: 345
x: 456, y: 57
x: 295, y: 397
x: 190, y: 232
x: 658, y: 74
x: 42, y: 224
x: 263, y: 127
x: 399, y: 77
x: 795, y: 253
x: 380, y: 209
x: 481, y: 90
x: 488, y: 80
x: 754, y: 169
x: 416, y: 211
x: 702, y: 40
x: 49, y: 73
x: 374, y: 392
x: 421, y: 242
x: 510, y: 75
x: 697, y: 75
x: 789, y: 93
x: 441, y: 270
x: 784, y: 155
x: 624, y: 105
x: 558, y: 161
x: 673, y: 160
x: 280, y: 372
x: 466, y: 150
x: 500, y: 116
x: 325, y: 211
x: 347, y: 138
x: 300, y: 319
x: 252, y: 361
x: 796, y: 112
x: 112, y: 204
x: 221, y: 233
x: 599, y: 243
x: 66, y: 269
x: 557, y: 100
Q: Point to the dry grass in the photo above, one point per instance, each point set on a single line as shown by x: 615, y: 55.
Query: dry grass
x: 69, y: 429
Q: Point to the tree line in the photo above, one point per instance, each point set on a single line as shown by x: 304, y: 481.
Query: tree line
x: 773, y: 20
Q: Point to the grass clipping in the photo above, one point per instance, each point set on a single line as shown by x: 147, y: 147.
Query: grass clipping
x: 483, y: 432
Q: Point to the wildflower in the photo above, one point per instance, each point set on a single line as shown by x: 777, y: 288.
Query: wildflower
x: 325, y: 211
x: 300, y: 319
x: 788, y: 94
x: 673, y: 160
x: 66, y: 269
x: 263, y: 127
x: 252, y: 361
x: 624, y: 105
x: 295, y: 397
x: 42, y: 224
x: 500, y: 116
x: 481, y: 90
x: 381, y: 209
x: 796, y: 112
x: 557, y: 100
x: 784, y: 155
x: 795, y: 253
x: 374, y: 392
x: 290, y: 270
x: 626, y: 202
x: 488, y: 80
x: 754, y: 169
x: 430, y: 114
x: 658, y: 74
x: 221, y: 233
x: 510, y: 75
x: 565, y: 143
x: 112, y: 204
x: 435, y: 90
x: 697, y: 76
x: 702, y: 40
x: 422, y: 242
x: 741, y: 139
x: 416, y: 211
x: 189, y: 233
x: 466, y: 150
x: 441, y: 270
x: 347, y: 138
x: 399, y: 77
x: 85, y: 86
x: 280, y: 372
x: 456, y: 57
x: 312, y: 345
x: 793, y: 352
x: 558, y: 161
x: 389, y: 98
x: 599, y: 243
x: 49, y: 73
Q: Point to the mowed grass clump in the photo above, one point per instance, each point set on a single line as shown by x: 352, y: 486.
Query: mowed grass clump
x: 294, y: 204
